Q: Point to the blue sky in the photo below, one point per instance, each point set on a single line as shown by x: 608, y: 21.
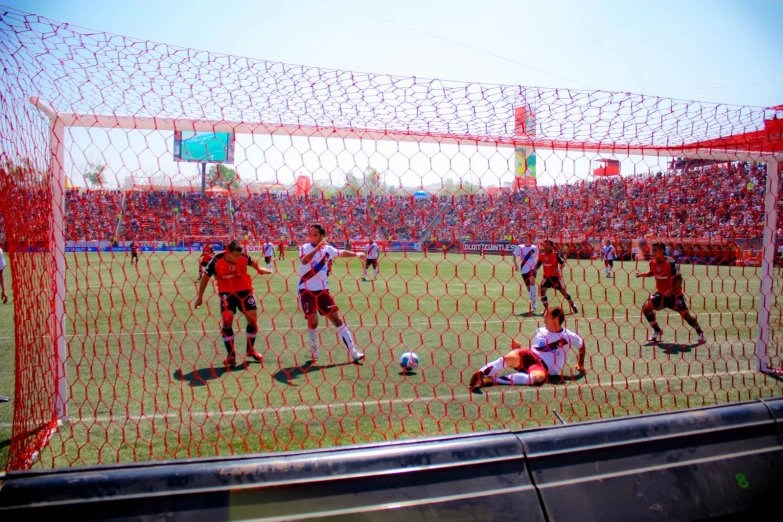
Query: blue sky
x: 721, y: 51
x: 717, y: 51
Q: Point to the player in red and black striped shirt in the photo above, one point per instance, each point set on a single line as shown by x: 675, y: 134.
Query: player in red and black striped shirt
x: 207, y: 253
x: 668, y: 292
x: 235, y: 287
x: 134, y: 253
x: 553, y: 262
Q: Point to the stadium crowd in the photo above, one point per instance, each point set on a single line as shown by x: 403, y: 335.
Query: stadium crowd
x: 715, y: 201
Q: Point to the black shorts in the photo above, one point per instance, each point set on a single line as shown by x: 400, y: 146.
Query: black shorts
x: 609, y: 262
x: 267, y: 259
x: 674, y: 302
x: 555, y: 282
x: 233, y: 301
x: 319, y: 301
x: 371, y: 263
x: 529, y: 278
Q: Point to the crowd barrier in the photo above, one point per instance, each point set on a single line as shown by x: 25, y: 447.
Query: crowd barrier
x: 715, y: 463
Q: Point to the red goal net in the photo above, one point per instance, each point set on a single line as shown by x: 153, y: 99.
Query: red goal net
x: 133, y: 173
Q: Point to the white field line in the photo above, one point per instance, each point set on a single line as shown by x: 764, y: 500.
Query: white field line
x: 354, y: 325
x: 526, y: 392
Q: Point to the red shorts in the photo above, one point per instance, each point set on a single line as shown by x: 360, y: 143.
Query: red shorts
x: 529, y: 361
x: 319, y: 301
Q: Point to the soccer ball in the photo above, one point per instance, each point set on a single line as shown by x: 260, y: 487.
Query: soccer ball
x: 409, y: 360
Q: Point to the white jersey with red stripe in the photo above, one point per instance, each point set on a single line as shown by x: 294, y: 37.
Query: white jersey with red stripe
x: 608, y: 252
x: 313, y: 275
x: 372, y: 251
x: 553, y: 347
x: 528, y: 257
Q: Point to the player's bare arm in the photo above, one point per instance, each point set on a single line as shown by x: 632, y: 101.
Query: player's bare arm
x: 677, y: 284
x: 201, y: 288
x: 644, y: 274
x: 259, y: 269
x: 350, y: 253
x: 580, y: 359
x: 309, y: 257
x: 4, y: 295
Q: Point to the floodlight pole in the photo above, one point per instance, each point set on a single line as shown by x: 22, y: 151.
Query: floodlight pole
x: 57, y: 187
x: 767, y: 262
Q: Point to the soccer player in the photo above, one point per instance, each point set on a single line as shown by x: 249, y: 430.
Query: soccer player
x: 527, y: 253
x: 553, y: 264
x: 235, y: 288
x: 281, y: 250
x: 207, y: 253
x: 668, y: 292
x: 547, y: 356
x: 372, y: 260
x: 134, y: 253
x: 316, y: 259
x: 269, y: 253
x: 3, y: 294
x: 608, y: 253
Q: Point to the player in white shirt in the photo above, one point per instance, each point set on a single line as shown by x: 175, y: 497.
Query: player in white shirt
x: 608, y: 254
x: 316, y: 259
x: 527, y: 254
x: 4, y: 295
x: 269, y: 253
x: 532, y: 366
x: 372, y: 259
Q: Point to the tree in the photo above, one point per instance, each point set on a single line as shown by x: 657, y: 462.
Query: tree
x: 223, y: 176
x: 372, y: 181
x: 353, y: 185
x: 94, y: 174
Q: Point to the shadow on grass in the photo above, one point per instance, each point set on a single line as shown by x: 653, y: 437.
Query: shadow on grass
x: 287, y: 375
x: 677, y: 348
x: 202, y: 376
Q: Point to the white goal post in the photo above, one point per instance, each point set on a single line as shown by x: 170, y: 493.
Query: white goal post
x: 59, y: 121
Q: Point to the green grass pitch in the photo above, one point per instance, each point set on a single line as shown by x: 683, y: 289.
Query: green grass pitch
x: 146, y: 379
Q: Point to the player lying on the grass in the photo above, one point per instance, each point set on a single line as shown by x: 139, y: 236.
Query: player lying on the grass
x: 527, y: 253
x: 372, y: 259
x: 547, y: 356
x: 316, y: 259
x: 553, y: 264
x: 668, y: 292
x: 207, y: 253
x: 235, y: 288
x: 608, y: 254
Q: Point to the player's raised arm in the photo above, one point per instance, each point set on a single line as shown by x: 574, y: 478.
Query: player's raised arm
x: 351, y: 253
x: 305, y: 259
x: 263, y: 271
